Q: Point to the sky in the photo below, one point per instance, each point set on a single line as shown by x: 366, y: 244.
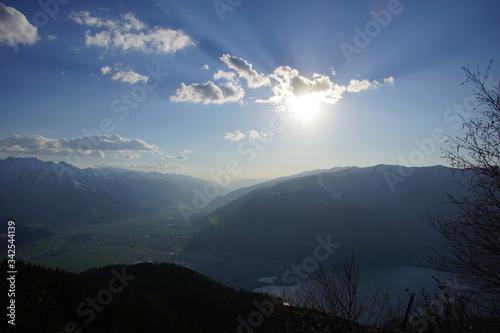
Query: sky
x: 250, y: 89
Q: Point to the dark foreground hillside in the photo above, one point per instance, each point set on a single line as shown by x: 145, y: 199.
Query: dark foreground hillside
x: 145, y: 298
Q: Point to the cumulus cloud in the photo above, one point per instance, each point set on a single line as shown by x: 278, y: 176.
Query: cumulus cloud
x: 15, y: 28
x: 288, y: 85
x: 124, y: 76
x: 236, y: 136
x: 220, y: 74
x: 129, y: 77
x: 245, y: 70
x: 91, y: 146
x: 208, y: 93
x: 51, y: 37
x: 129, y: 33
x: 105, y: 70
x: 360, y: 85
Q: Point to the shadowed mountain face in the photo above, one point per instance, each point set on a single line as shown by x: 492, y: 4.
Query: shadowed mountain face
x: 61, y: 194
x: 377, y: 211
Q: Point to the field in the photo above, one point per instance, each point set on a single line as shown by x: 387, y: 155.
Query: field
x: 154, y: 237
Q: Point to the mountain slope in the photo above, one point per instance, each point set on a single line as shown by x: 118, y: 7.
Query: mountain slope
x: 374, y: 210
x: 144, y: 298
x: 32, y: 190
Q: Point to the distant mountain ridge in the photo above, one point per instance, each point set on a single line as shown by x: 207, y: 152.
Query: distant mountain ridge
x: 33, y: 190
x: 376, y: 210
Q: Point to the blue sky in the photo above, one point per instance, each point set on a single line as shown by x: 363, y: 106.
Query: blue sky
x: 264, y: 88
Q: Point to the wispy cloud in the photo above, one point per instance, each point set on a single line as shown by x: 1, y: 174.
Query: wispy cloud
x: 175, y: 157
x: 15, y: 28
x: 92, y: 146
x: 129, y: 33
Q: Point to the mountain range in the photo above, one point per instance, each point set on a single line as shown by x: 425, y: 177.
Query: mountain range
x: 62, y: 194
x: 378, y: 211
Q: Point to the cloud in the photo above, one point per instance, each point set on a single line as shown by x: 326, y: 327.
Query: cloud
x: 51, y: 37
x: 131, y: 34
x: 131, y: 156
x: 208, y: 93
x: 206, y: 67
x: 220, y: 74
x: 129, y: 77
x: 245, y: 70
x: 360, y: 85
x: 288, y: 85
x: 175, y: 157
x: 15, y: 28
x: 105, y: 70
x: 186, y: 151
x: 91, y: 146
x: 389, y: 80
x: 236, y: 136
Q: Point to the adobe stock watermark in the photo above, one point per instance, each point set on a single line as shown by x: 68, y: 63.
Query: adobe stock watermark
x: 371, y: 30
x: 122, y: 107
x: 50, y: 9
x: 249, y: 150
x: 87, y: 309
x: 456, y: 116
x: 223, y: 6
x: 424, y: 315
x: 292, y: 276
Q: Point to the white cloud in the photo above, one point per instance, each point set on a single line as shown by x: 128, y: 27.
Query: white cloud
x: 253, y: 134
x: 129, y: 77
x: 389, y: 80
x: 105, y: 70
x: 131, y: 156
x: 15, y: 28
x: 288, y: 84
x: 245, y: 70
x: 175, y: 157
x: 92, y: 146
x: 131, y: 34
x: 208, y: 93
x: 186, y: 151
x: 236, y: 136
x: 206, y: 67
x: 220, y: 74
x: 51, y: 37
x: 360, y: 85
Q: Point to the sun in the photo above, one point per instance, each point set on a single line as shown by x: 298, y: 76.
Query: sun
x: 304, y: 107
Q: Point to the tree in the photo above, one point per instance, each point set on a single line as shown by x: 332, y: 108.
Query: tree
x: 472, y: 239
x: 335, y: 291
